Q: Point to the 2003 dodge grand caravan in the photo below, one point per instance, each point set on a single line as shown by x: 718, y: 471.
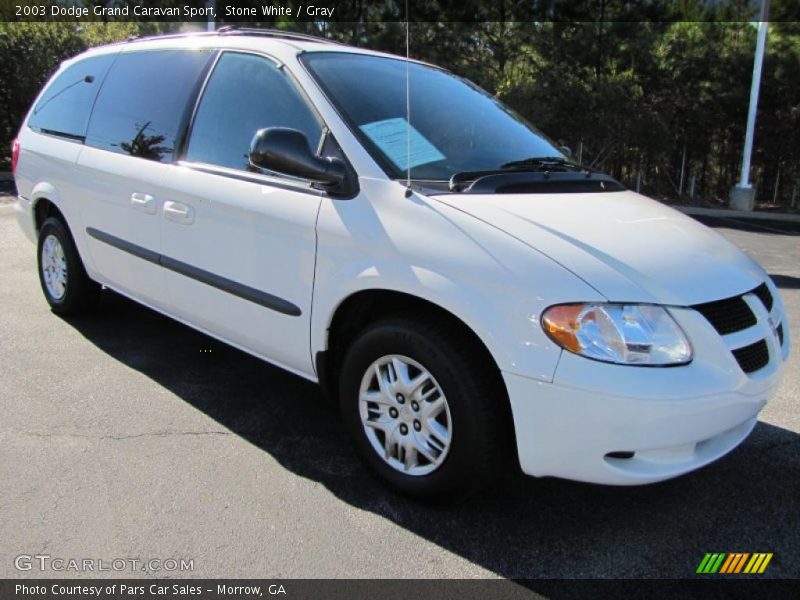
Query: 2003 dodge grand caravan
x: 253, y: 185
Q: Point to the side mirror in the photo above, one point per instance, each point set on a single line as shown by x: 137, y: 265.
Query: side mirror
x: 287, y: 151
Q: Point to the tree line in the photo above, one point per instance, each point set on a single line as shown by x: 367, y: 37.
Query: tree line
x: 660, y: 104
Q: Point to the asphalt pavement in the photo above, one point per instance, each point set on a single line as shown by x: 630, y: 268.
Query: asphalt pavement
x: 124, y: 434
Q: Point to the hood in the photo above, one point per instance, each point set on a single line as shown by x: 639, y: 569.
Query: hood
x: 626, y: 246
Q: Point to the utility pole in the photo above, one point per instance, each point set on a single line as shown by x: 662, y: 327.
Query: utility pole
x: 743, y: 194
x: 777, y: 185
x: 212, y: 23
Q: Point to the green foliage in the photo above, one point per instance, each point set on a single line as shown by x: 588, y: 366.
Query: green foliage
x: 634, y: 96
x: 29, y: 52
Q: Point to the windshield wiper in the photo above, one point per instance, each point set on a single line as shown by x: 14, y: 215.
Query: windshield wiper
x: 535, y: 163
x: 540, y: 161
x: 543, y: 162
x: 547, y: 167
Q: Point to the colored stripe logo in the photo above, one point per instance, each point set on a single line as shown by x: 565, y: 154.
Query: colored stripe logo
x: 734, y: 562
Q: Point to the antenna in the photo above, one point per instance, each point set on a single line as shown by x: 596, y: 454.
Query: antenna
x: 408, y: 108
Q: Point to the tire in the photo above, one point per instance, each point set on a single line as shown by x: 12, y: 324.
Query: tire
x: 66, y: 286
x: 474, y: 413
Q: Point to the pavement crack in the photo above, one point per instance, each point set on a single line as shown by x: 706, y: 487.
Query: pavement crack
x: 122, y: 436
x: 161, y: 434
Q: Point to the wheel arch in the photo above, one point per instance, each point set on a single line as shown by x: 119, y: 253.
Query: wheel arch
x: 360, y: 308
x: 47, y: 202
x: 43, y: 208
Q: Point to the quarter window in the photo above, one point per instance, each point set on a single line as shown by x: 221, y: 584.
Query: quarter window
x: 65, y: 106
x: 144, y: 101
x: 246, y: 93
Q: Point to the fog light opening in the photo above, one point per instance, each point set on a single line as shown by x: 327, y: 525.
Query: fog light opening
x: 622, y: 455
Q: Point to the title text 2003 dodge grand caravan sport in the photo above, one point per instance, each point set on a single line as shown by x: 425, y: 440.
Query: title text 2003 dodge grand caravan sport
x: 507, y: 302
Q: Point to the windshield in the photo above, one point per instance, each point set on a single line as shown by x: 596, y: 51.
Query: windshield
x: 455, y: 126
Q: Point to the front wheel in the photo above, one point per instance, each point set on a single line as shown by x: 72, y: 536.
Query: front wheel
x: 423, y: 408
x: 66, y: 286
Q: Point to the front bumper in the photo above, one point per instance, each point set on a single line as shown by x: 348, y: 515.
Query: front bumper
x: 569, y: 433
x: 673, y: 420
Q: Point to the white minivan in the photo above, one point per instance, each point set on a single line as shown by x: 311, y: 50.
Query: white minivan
x: 466, y: 293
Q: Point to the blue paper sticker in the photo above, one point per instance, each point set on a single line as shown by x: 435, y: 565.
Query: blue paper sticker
x: 391, y: 136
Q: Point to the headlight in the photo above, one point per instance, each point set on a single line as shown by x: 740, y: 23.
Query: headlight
x: 631, y: 334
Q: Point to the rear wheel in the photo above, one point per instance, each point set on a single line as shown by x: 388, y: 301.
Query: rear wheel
x: 423, y: 408
x: 66, y: 286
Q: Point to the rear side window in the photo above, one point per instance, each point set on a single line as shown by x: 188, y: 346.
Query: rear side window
x: 246, y: 93
x: 65, y: 106
x: 144, y: 101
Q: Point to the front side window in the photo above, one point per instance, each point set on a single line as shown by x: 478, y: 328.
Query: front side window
x: 65, y: 107
x: 454, y: 125
x: 144, y: 100
x: 246, y: 93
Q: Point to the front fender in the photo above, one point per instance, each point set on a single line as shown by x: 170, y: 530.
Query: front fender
x: 493, y: 324
x: 490, y: 281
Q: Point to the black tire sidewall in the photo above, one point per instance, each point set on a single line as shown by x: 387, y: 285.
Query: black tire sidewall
x: 75, y: 293
x: 457, y: 474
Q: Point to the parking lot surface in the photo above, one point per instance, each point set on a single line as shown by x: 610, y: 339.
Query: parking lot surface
x: 124, y: 434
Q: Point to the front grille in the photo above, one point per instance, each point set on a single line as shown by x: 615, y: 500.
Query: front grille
x: 765, y: 296
x: 753, y: 357
x: 728, y: 315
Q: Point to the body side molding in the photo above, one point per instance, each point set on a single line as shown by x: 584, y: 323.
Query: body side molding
x: 221, y: 283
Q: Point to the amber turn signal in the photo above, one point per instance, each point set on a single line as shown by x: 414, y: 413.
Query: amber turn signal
x: 561, y: 324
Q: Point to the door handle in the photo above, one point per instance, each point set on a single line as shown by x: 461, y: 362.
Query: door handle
x: 144, y: 202
x: 178, y: 212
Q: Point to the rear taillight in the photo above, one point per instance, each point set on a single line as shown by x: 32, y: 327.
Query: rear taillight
x: 14, y: 155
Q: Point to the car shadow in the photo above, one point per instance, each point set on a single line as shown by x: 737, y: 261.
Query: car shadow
x: 749, y: 224
x: 524, y: 528
x: 785, y: 282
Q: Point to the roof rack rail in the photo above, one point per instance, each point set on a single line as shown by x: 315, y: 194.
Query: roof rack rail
x: 166, y: 36
x: 277, y: 33
x: 234, y: 30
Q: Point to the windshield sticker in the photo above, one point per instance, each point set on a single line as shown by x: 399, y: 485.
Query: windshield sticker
x: 391, y: 136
